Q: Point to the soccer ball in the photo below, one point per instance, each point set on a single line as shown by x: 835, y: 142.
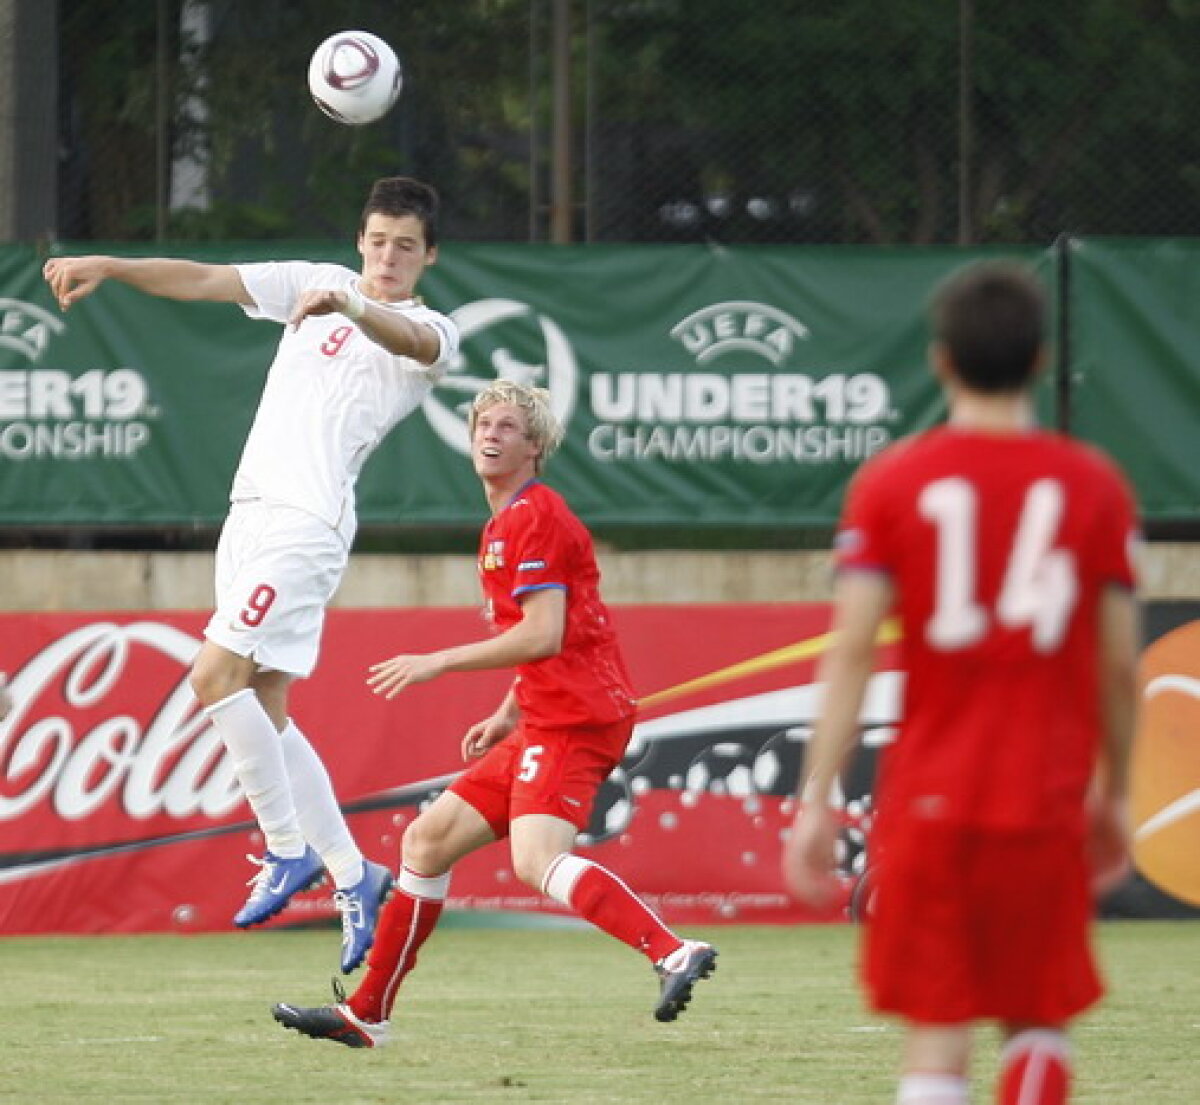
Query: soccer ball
x: 354, y: 77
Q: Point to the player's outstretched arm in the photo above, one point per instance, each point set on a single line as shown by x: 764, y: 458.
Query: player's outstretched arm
x: 536, y: 636
x: 74, y: 278
x: 1109, y: 804
x: 861, y: 602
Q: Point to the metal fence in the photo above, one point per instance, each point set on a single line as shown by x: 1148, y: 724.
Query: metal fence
x: 798, y: 121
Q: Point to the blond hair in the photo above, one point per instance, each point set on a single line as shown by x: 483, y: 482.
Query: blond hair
x: 541, y: 427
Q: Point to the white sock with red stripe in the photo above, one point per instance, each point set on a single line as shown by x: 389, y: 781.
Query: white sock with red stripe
x: 317, y: 810
x: 598, y: 896
x: 257, y: 754
x: 1035, y: 1068
x: 405, y: 924
x: 932, y: 1089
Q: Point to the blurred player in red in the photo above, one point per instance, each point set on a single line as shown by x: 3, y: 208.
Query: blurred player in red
x: 1004, y: 550
x: 538, y: 761
x: 359, y: 352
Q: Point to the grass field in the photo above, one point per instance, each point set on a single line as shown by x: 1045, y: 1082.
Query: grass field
x: 546, y: 1015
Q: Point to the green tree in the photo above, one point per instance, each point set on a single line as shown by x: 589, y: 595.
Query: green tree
x: 848, y: 112
x: 797, y: 121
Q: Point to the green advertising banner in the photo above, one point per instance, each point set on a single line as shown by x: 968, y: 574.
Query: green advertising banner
x: 1135, y: 364
x: 127, y: 410
x: 700, y: 386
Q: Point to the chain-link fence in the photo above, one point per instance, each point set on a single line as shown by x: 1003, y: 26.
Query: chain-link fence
x: 799, y: 121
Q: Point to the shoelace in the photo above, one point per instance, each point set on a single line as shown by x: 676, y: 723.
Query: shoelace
x: 261, y: 878
x: 361, y: 1027
x: 351, y: 910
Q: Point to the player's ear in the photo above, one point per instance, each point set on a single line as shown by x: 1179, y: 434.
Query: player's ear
x: 939, y: 361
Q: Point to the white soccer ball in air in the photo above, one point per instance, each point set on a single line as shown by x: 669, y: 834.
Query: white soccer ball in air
x: 354, y: 77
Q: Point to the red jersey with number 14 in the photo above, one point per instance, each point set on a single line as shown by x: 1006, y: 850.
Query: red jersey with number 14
x: 998, y: 546
x: 537, y: 542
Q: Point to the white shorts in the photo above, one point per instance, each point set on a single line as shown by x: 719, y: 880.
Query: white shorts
x: 277, y: 568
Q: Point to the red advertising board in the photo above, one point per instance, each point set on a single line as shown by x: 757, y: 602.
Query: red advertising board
x: 119, y: 811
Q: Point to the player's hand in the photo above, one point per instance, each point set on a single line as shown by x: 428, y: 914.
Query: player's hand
x: 483, y: 734
x: 390, y: 677
x: 810, y: 855
x: 1108, y: 843
x: 320, y: 301
x: 74, y: 278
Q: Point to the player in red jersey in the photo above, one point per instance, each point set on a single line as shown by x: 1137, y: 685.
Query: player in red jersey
x: 538, y: 761
x: 1004, y: 550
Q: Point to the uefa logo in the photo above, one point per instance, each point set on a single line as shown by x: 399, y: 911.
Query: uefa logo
x: 27, y: 328
x: 501, y: 339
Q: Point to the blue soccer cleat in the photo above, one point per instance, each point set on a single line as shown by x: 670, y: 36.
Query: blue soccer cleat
x: 359, y: 907
x: 277, y: 880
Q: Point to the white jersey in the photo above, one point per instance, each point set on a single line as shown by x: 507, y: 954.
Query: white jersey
x: 331, y: 394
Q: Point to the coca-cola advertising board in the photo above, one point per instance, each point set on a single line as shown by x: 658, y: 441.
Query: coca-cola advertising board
x: 119, y: 810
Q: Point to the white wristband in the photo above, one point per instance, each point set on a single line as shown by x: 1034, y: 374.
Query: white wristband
x: 356, y: 305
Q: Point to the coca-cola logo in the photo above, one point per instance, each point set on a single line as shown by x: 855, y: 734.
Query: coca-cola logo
x: 104, y: 716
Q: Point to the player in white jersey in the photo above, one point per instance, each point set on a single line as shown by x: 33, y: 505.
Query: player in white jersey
x: 358, y: 353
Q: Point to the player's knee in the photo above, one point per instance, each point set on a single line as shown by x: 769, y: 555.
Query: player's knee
x: 528, y: 872
x: 212, y: 680
x: 204, y: 683
x: 530, y: 865
x: 422, y: 847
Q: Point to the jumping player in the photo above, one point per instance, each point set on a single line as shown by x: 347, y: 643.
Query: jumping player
x: 1005, y: 552
x: 538, y: 761
x: 358, y: 354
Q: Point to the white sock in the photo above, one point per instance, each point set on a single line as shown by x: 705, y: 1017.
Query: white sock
x: 561, y: 875
x: 932, y: 1089
x: 432, y: 888
x: 317, y: 810
x: 257, y: 754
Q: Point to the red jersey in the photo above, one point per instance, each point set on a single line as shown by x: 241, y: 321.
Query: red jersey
x: 998, y: 547
x: 537, y: 542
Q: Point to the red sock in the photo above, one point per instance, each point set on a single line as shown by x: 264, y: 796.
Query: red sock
x: 598, y: 896
x: 405, y: 923
x: 1035, y: 1069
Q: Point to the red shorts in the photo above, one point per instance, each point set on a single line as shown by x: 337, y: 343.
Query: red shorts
x: 971, y: 924
x: 551, y: 771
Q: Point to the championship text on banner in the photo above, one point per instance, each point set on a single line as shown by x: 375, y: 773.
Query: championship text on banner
x: 698, y: 386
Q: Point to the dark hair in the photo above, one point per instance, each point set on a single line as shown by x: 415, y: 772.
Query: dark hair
x: 400, y: 195
x: 991, y: 317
